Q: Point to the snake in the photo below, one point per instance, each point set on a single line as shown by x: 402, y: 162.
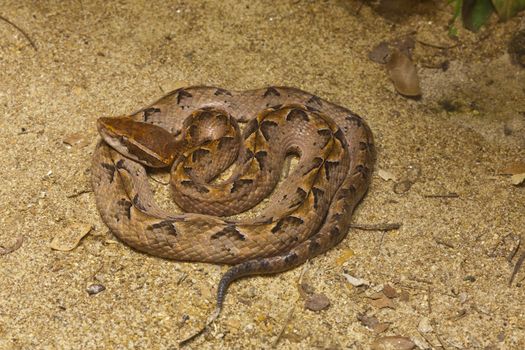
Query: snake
x: 201, y: 132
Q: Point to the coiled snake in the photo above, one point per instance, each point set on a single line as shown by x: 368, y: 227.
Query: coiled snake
x: 196, y: 131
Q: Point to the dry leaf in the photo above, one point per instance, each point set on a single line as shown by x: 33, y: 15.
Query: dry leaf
x: 403, y: 74
x: 344, y: 256
x: 354, y: 281
x: 517, y: 179
x: 389, y: 291
x: 12, y: 248
x: 368, y: 321
x: 386, y: 175
x: 513, y: 168
x: 380, y: 327
x: 382, y: 303
x: 317, y: 302
x: 76, y: 140
x: 392, y: 343
x: 71, y: 237
x: 379, y: 54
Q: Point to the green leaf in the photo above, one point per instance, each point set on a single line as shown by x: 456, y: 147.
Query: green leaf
x: 475, y: 13
x: 508, y: 8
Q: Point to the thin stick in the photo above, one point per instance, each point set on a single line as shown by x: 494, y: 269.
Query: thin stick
x: 376, y: 227
x: 20, y: 30
x: 446, y: 195
x: 516, y: 268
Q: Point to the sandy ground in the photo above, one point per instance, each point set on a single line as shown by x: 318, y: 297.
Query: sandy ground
x: 449, y: 264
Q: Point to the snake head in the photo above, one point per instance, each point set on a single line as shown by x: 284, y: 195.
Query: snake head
x: 145, y: 143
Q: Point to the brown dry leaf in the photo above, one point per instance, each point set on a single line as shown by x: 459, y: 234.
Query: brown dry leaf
x: 76, y: 140
x: 382, y: 303
x: 513, y: 168
x: 403, y: 74
x: 389, y: 291
x: 404, y: 296
x: 517, y: 179
x: 380, y: 327
x: 70, y: 238
x: 379, y: 54
x: 393, y: 343
x: 317, y: 302
x: 344, y: 256
x: 13, y: 247
x: 368, y: 321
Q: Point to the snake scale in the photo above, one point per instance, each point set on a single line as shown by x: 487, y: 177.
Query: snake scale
x: 197, y: 132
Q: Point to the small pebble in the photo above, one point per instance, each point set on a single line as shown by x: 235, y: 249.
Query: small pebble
x: 95, y: 289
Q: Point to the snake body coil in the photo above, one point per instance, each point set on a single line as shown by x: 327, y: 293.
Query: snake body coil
x: 197, y: 132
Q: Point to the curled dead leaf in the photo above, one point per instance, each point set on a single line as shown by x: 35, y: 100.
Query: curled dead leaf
x: 403, y: 74
x: 70, y: 238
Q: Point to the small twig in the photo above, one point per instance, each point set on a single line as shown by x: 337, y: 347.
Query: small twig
x: 429, y: 300
x: 376, y: 227
x: 15, y: 246
x: 436, y: 46
x: 20, y: 30
x: 79, y: 193
x: 360, y: 7
x: 514, y: 251
x: 516, y: 268
x: 292, y: 309
x: 446, y: 195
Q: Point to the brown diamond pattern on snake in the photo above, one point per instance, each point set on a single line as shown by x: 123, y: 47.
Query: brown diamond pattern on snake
x: 267, y: 128
x: 354, y: 118
x: 301, y: 197
x: 181, y: 93
x: 271, y: 91
x: 226, y: 142
x: 261, y: 159
x: 146, y: 113
x: 315, y: 100
x: 167, y: 226
x: 318, y: 193
x: 198, y: 188
x: 125, y: 207
x: 220, y: 91
x: 231, y: 232
x: 138, y: 204
x: 328, y: 166
x: 326, y: 135
x: 110, y: 169
x: 316, y: 163
x: 198, y: 154
x: 237, y: 184
x: 283, y: 223
x: 296, y: 115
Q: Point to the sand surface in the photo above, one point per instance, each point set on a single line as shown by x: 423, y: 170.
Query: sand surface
x: 449, y: 263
